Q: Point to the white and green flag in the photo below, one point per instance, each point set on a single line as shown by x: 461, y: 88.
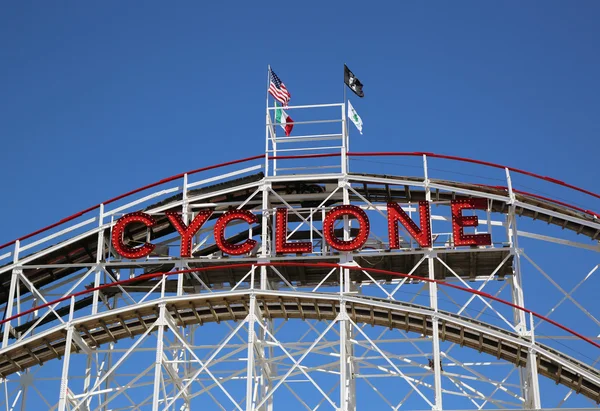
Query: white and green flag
x: 353, y: 115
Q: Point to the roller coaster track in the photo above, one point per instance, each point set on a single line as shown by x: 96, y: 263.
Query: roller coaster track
x: 356, y: 154
x: 375, y: 188
x: 96, y: 330
x: 47, y: 263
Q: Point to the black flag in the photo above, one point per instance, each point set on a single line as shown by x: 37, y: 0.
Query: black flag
x: 352, y: 82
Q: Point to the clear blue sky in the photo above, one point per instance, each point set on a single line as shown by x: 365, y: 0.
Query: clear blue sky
x: 92, y: 95
x: 100, y: 98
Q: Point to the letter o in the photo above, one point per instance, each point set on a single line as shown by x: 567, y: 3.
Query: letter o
x: 363, y: 223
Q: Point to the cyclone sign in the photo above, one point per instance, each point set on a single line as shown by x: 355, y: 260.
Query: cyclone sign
x: 395, y: 214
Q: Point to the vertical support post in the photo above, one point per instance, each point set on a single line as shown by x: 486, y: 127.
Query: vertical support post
x: 185, y: 206
x: 346, y: 258
x: 18, y: 301
x: 343, y: 359
x: 99, y: 259
x: 181, y: 353
x: 488, y: 212
x: 14, y: 282
x: 511, y: 194
x: 267, y: 118
x: 250, y: 363
x: 268, y: 250
x: 64, y: 381
x: 185, y: 218
x: 88, y: 378
x: 323, y: 242
x: 516, y: 283
x: 109, y: 363
x: 527, y: 375
x: 159, y: 356
x: 264, y: 369
x: 347, y: 381
x: 344, y: 154
x: 267, y: 370
x: 273, y: 135
x: 266, y: 245
x: 532, y: 369
x: 5, y: 384
x: 433, y: 302
x: 426, y: 177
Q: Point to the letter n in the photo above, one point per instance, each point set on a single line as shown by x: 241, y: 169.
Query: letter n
x: 397, y: 214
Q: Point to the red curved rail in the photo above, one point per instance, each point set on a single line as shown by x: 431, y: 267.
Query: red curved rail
x: 137, y: 190
x: 470, y: 160
x: 305, y: 156
x: 467, y: 160
x: 294, y: 264
x: 551, y: 200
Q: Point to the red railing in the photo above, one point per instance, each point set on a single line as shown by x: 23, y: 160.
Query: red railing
x: 132, y: 192
x: 306, y: 156
x: 312, y: 265
x: 472, y: 161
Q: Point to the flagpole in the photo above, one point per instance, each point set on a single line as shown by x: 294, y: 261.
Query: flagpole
x: 267, y: 121
x: 346, y: 128
x: 268, y: 83
x: 344, y: 86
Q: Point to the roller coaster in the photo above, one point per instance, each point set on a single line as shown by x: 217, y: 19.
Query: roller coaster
x: 257, y: 284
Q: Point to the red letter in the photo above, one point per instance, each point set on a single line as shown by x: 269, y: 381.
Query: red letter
x: 459, y: 222
x: 187, y: 233
x: 422, y: 235
x: 281, y: 244
x: 222, y: 243
x: 363, y: 223
x: 119, y: 228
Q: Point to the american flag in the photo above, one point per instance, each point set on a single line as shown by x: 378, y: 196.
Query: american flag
x: 278, y: 90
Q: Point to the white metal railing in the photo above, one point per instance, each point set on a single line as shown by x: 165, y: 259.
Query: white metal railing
x: 300, y: 157
x: 77, y: 229
x: 88, y: 226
